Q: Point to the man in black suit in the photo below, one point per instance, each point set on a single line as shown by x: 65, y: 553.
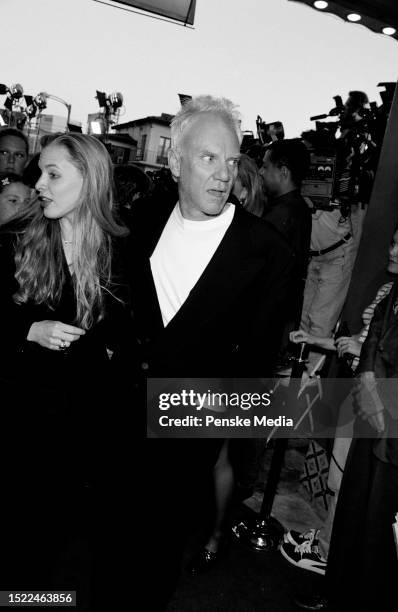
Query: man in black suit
x: 209, y: 284
x: 285, y: 164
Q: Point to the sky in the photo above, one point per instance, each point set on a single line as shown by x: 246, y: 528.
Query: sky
x: 278, y: 59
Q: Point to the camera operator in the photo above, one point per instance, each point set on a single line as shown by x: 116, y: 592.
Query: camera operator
x: 353, y: 111
x: 334, y: 242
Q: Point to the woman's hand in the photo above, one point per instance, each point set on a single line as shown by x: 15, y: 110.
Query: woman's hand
x: 348, y: 344
x: 54, y: 334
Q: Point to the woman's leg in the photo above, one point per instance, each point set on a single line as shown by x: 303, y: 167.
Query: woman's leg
x: 223, y: 489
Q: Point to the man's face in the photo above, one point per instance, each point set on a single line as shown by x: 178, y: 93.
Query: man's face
x: 272, y: 175
x: 13, y: 154
x: 206, y: 166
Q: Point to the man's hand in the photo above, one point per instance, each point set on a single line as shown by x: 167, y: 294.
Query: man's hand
x: 299, y: 336
x: 54, y: 334
x: 348, y: 344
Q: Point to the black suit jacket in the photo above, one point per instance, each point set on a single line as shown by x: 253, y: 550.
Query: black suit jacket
x: 232, y: 321
x: 290, y: 214
x: 380, y: 355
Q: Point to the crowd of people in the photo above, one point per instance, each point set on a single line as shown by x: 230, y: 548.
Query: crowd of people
x: 110, y: 278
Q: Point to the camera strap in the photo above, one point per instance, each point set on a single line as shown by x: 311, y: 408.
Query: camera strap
x: 332, y: 247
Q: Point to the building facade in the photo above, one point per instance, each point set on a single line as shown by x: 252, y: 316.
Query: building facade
x: 153, y: 138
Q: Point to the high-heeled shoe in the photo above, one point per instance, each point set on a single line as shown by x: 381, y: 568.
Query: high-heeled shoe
x: 203, y: 561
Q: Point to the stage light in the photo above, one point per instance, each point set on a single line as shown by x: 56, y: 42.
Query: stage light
x: 389, y: 31
x: 354, y: 17
x: 40, y: 101
x: 321, y: 5
x: 16, y: 91
x: 116, y: 100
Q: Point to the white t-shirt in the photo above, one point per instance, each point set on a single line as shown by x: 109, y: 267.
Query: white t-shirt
x: 181, y: 255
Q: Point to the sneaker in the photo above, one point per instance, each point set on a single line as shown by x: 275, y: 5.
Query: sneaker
x: 298, y: 537
x: 306, y: 554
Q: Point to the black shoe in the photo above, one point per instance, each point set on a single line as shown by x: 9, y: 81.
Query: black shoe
x: 312, y: 602
x: 203, y: 561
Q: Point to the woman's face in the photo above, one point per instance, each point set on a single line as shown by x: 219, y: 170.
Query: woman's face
x: 239, y: 191
x: 12, y: 198
x: 60, y: 184
x: 393, y: 255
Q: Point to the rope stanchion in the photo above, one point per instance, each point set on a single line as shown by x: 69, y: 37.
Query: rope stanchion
x: 264, y: 532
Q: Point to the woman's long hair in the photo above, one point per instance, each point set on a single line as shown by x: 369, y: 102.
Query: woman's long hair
x: 250, y: 178
x: 39, y: 254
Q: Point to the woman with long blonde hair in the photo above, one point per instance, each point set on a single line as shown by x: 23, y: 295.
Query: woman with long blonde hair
x: 64, y: 309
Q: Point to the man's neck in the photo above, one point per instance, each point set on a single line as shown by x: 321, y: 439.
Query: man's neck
x: 199, y: 215
x: 285, y: 190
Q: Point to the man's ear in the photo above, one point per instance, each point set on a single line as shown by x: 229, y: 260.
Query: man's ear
x: 285, y: 171
x: 174, y: 163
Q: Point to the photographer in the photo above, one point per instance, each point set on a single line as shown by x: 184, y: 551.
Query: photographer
x: 335, y: 238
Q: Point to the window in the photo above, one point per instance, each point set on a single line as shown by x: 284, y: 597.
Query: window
x: 163, y: 147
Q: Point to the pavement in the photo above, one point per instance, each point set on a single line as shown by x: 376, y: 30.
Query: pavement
x: 246, y: 580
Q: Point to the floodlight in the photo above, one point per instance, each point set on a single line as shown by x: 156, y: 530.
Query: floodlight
x: 116, y: 99
x: 40, y: 101
x: 16, y: 91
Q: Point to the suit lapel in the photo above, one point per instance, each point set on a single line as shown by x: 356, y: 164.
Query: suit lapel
x: 230, y: 268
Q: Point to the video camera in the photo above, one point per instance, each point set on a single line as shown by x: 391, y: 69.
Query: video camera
x: 266, y: 133
x: 343, y: 166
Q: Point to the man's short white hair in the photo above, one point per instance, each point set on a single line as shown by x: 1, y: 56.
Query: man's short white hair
x: 223, y: 107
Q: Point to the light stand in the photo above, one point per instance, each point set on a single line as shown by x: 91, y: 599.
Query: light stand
x: 110, y: 106
x: 47, y: 96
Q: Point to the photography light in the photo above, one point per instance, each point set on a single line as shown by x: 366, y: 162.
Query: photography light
x: 40, y: 101
x: 16, y: 91
x: 3, y: 89
x: 116, y: 100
